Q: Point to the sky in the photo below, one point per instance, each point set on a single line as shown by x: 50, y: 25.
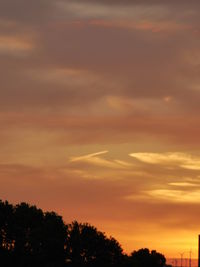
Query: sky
x: 100, y: 115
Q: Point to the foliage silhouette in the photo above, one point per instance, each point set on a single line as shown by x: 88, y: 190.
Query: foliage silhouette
x: 89, y: 247
x: 145, y: 258
x: 6, y: 239
x: 30, y: 237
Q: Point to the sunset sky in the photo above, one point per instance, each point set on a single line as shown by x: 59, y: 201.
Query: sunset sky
x: 100, y: 115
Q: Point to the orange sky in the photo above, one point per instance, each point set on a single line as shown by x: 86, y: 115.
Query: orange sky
x: 99, y: 112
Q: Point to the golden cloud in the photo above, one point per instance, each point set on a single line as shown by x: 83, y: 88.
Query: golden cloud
x: 12, y: 44
x: 183, y: 160
x: 95, y: 160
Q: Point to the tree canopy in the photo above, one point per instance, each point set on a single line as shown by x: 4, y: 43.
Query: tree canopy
x: 30, y: 237
x: 86, y: 246
x: 146, y: 258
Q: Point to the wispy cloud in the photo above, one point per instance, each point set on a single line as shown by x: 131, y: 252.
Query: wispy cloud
x: 78, y: 9
x: 14, y: 45
x: 183, y: 160
x: 88, y: 156
x: 175, y: 195
x: 182, y: 184
x: 166, y: 195
x: 94, y: 159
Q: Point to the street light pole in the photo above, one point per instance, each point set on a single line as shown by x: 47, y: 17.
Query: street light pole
x: 182, y: 258
x: 190, y: 259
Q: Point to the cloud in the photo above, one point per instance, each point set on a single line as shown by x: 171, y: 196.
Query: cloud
x: 139, y: 105
x: 94, y: 160
x: 183, y: 184
x: 15, y: 46
x: 175, y: 195
x: 183, y: 160
x: 144, y: 3
x: 22, y: 11
x: 71, y: 67
x: 89, y: 156
x: 134, y: 25
x: 88, y: 10
x: 86, y: 129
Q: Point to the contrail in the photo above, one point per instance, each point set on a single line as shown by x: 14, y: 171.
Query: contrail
x: 88, y: 156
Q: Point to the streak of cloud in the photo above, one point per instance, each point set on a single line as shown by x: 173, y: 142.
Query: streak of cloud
x: 175, y: 195
x: 98, y: 161
x: 183, y: 184
x: 183, y: 160
x: 89, y: 156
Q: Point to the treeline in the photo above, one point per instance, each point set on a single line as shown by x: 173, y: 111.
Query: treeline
x: 30, y: 237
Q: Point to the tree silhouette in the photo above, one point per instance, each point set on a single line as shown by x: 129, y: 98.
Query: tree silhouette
x: 30, y: 237
x: 54, y: 239
x: 145, y: 258
x: 89, y: 247
x: 6, y: 236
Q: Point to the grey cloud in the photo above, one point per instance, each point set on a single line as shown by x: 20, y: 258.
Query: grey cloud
x: 118, y: 129
x: 133, y: 67
x: 26, y: 11
x: 142, y: 2
x: 135, y: 64
x: 131, y: 63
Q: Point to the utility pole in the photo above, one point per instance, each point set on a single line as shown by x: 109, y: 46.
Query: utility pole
x: 186, y: 262
x: 199, y: 252
x: 190, y: 258
x: 182, y: 258
x: 174, y: 263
